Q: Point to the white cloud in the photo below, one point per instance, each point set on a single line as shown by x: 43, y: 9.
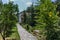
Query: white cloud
x: 29, y: 3
x: 11, y: 0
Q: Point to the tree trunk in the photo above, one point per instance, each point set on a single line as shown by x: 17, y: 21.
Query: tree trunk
x: 3, y: 38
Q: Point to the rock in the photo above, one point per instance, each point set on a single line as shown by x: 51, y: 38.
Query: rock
x: 24, y: 35
x: 10, y: 38
x: 36, y: 32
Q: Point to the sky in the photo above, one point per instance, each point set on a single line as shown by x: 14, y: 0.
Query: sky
x: 23, y: 4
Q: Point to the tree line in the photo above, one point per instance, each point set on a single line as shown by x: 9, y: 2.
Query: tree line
x: 45, y: 16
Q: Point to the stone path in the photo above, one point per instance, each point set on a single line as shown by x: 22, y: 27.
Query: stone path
x: 24, y: 35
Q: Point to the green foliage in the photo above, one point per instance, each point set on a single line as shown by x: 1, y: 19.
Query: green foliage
x: 29, y: 15
x: 47, y: 18
x: 8, y: 18
x: 25, y: 19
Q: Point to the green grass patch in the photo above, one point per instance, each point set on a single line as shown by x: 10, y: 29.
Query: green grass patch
x: 13, y: 33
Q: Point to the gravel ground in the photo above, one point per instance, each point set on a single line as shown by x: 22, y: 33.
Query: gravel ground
x: 24, y: 35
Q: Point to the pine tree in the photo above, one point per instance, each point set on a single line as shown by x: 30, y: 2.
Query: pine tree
x: 31, y: 15
x: 24, y: 17
x: 32, y: 21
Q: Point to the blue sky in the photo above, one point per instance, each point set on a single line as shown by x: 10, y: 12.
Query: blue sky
x: 23, y: 4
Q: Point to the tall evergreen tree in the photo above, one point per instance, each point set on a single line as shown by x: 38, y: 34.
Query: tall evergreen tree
x: 24, y: 17
x: 31, y: 15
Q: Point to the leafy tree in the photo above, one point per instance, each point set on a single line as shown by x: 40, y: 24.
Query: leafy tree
x: 57, y: 2
x: 47, y: 18
x: 1, y: 4
x: 8, y: 18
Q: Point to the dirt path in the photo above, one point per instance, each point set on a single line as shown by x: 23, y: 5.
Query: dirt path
x: 24, y: 35
x: 1, y: 38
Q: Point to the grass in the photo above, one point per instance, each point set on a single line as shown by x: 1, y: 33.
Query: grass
x: 15, y: 33
x: 29, y: 29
